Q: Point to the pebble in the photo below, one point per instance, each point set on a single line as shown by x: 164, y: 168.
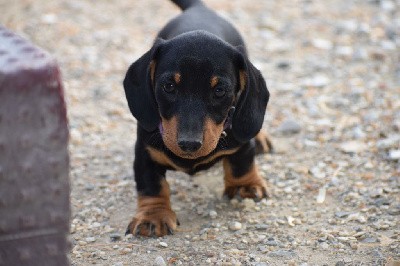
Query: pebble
x: 271, y: 243
x: 159, y: 261
x: 90, y: 239
x: 389, y: 142
x: 322, y: 44
x: 163, y: 244
x: 213, y: 214
x: 342, y: 214
x: 261, y: 227
x: 115, y: 237
x: 353, y: 147
x: 324, y: 245
x: 235, y: 226
x: 394, y: 155
x: 317, y: 81
x: 282, y: 254
x: 126, y: 250
x: 289, y: 127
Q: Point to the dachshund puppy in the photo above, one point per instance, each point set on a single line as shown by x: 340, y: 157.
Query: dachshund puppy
x: 197, y: 99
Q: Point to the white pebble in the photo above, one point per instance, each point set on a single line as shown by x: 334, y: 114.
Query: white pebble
x: 159, y: 261
x: 90, y: 239
x: 213, y: 214
x: 163, y: 244
x: 234, y: 226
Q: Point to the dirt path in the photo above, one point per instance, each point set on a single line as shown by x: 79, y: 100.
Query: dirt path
x: 334, y: 115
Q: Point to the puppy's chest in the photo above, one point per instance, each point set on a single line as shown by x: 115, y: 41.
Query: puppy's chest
x: 186, y: 165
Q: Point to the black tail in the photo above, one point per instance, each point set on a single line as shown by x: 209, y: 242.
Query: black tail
x: 185, y: 4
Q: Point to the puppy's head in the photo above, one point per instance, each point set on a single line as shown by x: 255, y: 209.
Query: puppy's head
x: 185, y: 87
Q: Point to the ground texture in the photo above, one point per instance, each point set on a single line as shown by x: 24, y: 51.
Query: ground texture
x: 332, y: 68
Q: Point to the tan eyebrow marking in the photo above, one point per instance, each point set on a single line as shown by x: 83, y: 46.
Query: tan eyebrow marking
x: 214, y: 81
x: 177, y: 78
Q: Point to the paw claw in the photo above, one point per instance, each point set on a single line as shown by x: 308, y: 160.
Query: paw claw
x: 169, y: 230
x: 152, y: 229
x: 137, y: 231
x: 128, y: 230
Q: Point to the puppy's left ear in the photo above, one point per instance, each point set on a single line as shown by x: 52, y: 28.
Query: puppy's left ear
x: 252, y: 101
x: 139, y: 91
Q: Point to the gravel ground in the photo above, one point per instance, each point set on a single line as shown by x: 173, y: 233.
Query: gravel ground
x: 333, y: 71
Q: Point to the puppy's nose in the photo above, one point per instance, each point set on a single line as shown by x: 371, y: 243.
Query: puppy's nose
x: 189, y: 145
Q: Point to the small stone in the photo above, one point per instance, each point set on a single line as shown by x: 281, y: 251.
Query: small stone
x: 272, y: 243
x: 49, y: 18
x: 90, y: 239
x: 344, y: 51
x: 354, y: 245
x: 289, y: 127
x: 248, y: 203
x: 353, y: 147
x: 290, y: 220
x: 357, y: 217
x: 324, y: 245
x: 370, y: 240
x: 96, y: 225
x: 283, y: 65
x: 213, y: 214
x: 282, y: 254
x: 342, y: 214
x: 163, y: 244
x: 82, y: 243
x: 394, y: 155
x: 126, y: 250
x: 318, y: 81
x: 115, y: 237
x: 234, y: 226
x: 120, y: 263
x: 261, y: 227
x: 389, y: 142
x: 89, y: 187
x: 159, y: 261
x: 322, y: 44
x: 395, y: 210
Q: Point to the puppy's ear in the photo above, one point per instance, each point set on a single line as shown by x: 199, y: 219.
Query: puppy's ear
x: 139, y: 89
x: 253, y: 97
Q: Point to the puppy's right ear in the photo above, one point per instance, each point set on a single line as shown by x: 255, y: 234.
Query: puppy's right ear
x: 139, y: 89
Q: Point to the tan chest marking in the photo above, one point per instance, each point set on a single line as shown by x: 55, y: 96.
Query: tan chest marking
x: 215, y: 156
x: 163, y: 159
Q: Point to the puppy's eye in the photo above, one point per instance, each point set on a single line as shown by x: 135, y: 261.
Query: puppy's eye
x: 219, y: 92
x: 169, y: 88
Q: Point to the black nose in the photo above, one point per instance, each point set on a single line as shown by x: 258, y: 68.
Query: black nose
x: 189, y: 146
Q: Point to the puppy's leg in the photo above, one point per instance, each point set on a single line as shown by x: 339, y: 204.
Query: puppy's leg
x: 263, y: 143
x: 154, y: 215
x: 241, y: 174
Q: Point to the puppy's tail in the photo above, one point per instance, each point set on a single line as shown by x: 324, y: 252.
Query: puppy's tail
x: 185, y: 4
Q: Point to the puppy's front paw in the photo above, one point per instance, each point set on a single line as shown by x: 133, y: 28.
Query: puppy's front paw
x: 253, y: 191
x: 249, y: 185
x: 153, y: 222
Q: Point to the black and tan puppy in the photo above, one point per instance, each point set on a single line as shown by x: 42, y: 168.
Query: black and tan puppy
x: 197, y: 99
